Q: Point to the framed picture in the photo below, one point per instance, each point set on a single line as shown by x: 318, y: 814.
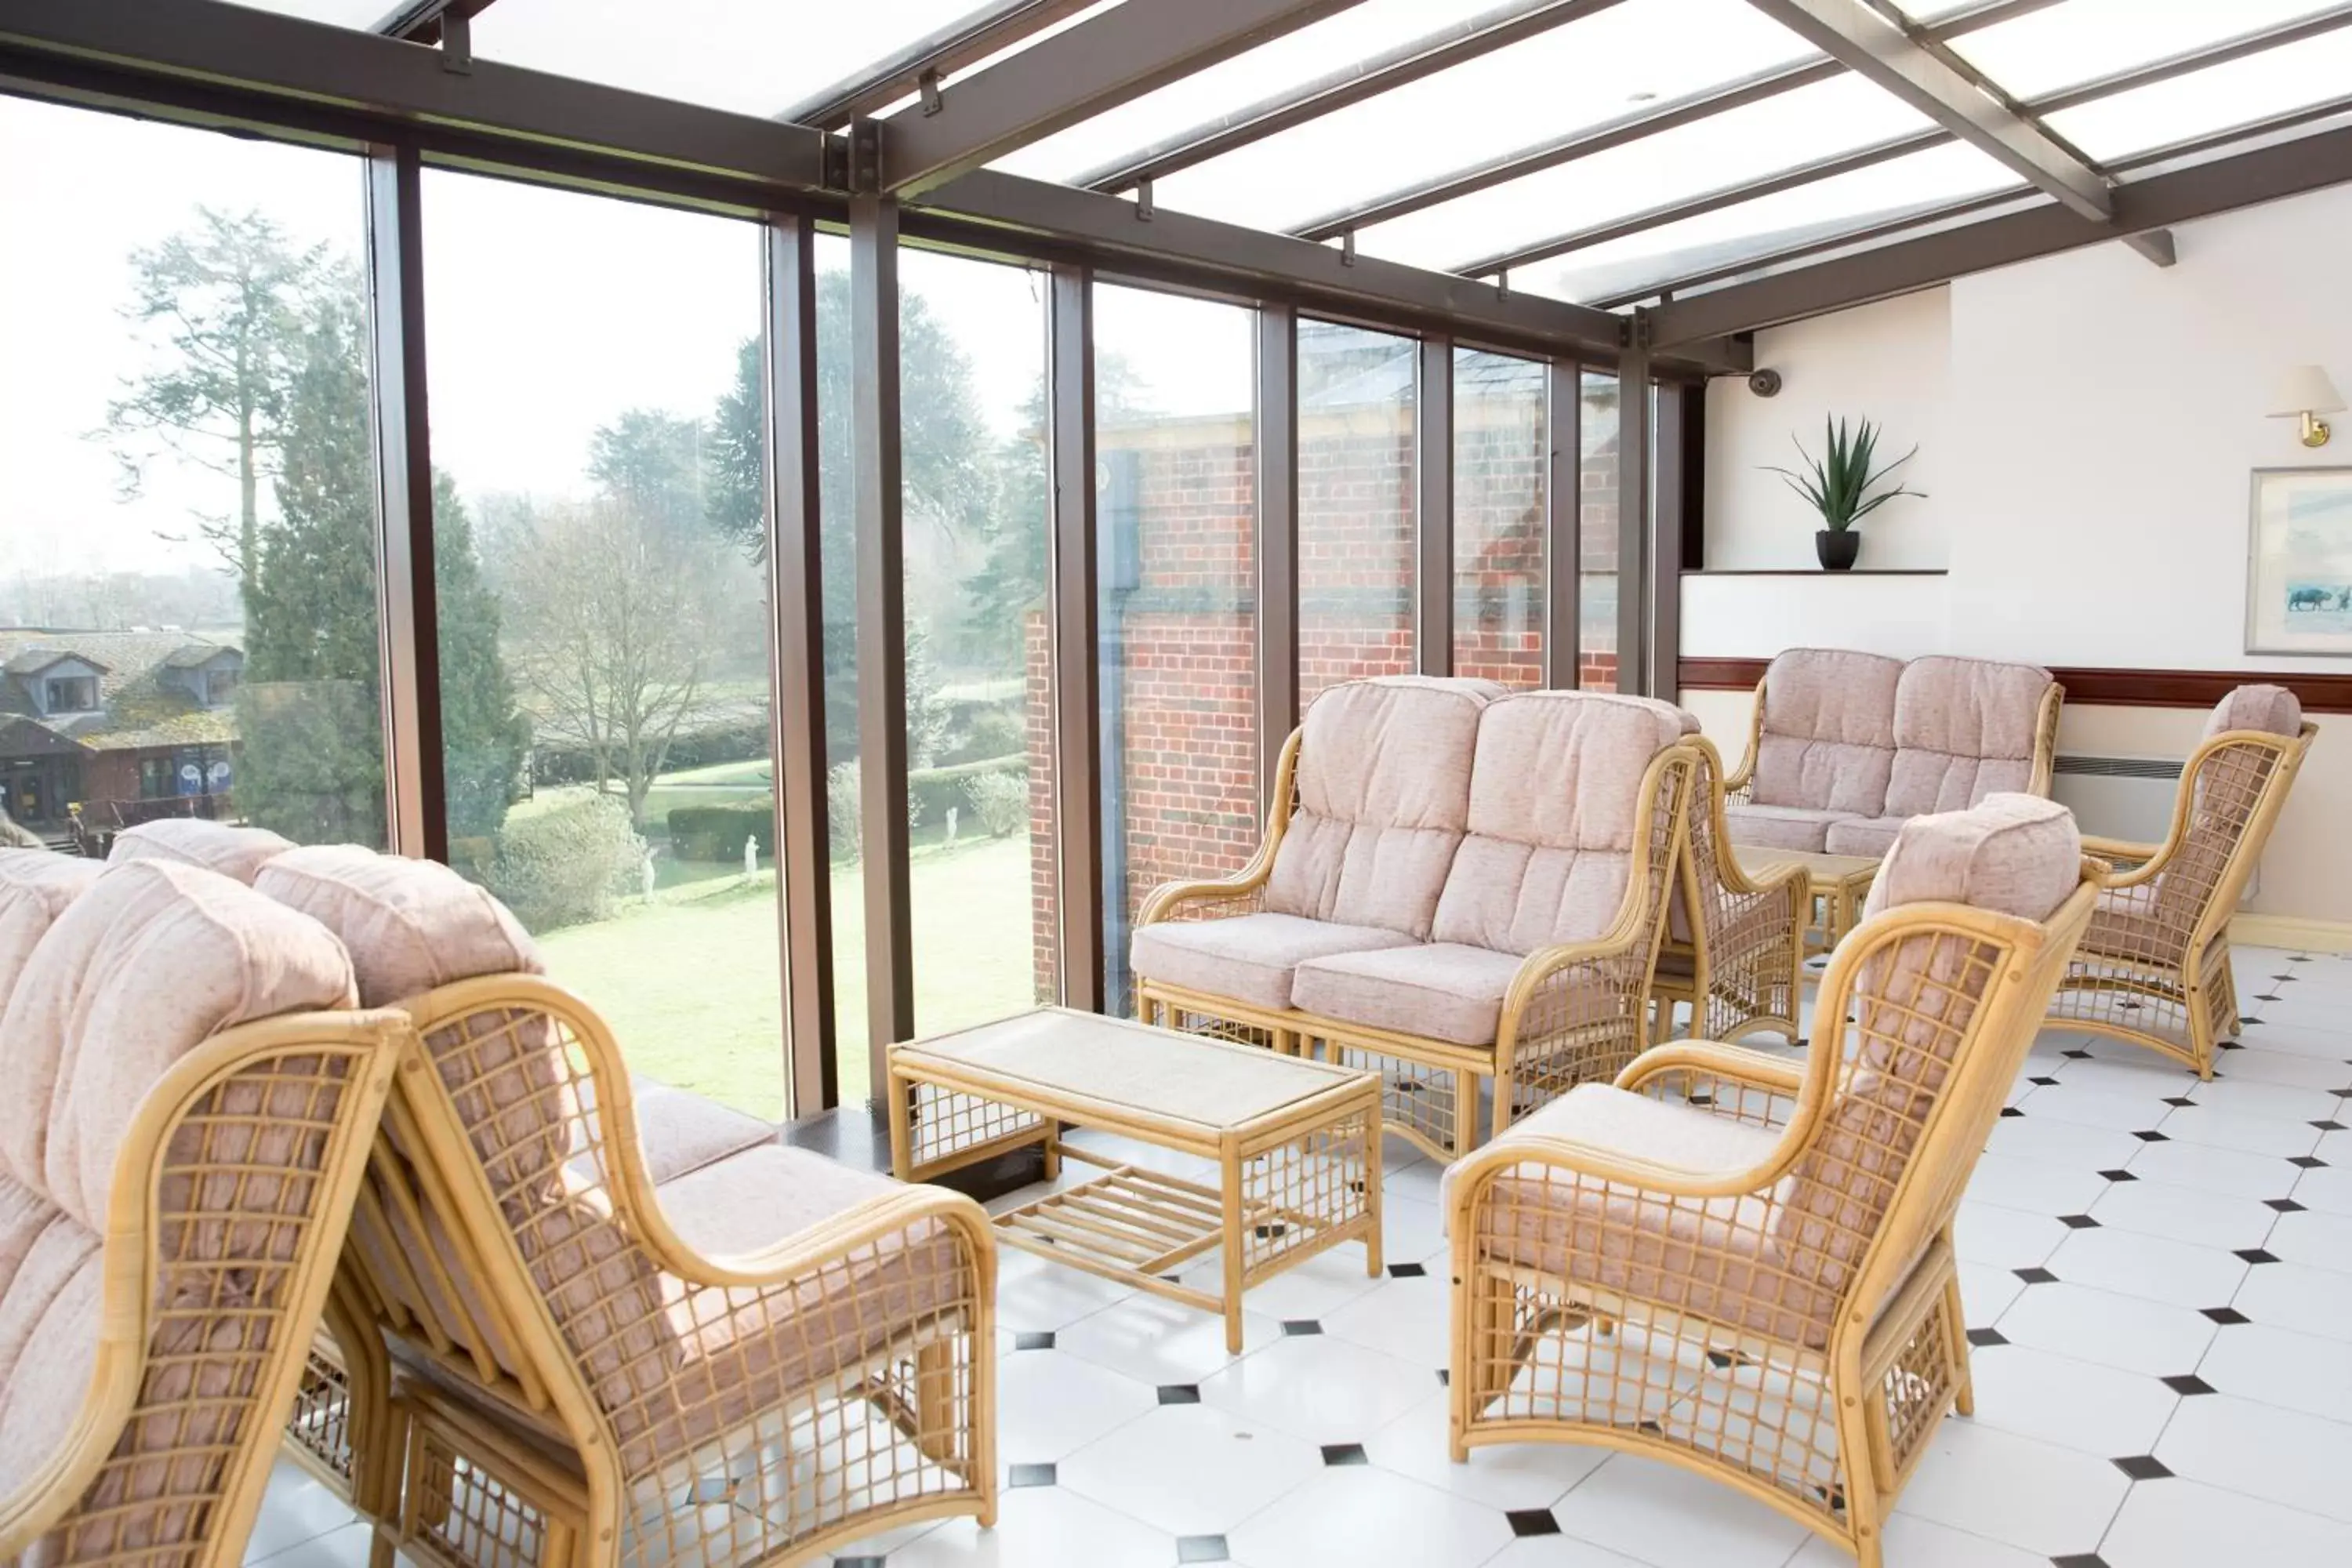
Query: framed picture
x: 2299, y: 562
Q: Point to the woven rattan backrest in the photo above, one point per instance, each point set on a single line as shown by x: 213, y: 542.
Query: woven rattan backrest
x: 1709, y: 841
x: 2230, y: 795
x: 1945, y: 1001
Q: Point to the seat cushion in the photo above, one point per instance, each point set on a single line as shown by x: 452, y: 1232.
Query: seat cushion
x: 1440, y: 991
x: 1826, y: 740
x: 1715, y: 1259
x: 35, y: 888
x: 1554, y: 799
x: 1964, y: 729
x: 1781, y: 826
x: 680, y: 1132
x: 1383, y: 790
x: 1249, y: 958
x: 1862, y: 834
x: 236, y: 853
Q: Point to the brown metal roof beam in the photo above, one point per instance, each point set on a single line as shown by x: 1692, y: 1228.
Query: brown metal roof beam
x: 957, y: 46
x: 1592, y: 138
x: 1409, y: 62
x: 419, y: 21
x: 2222, y: 184
x: 1876, y: 49
x: 1113, y: 56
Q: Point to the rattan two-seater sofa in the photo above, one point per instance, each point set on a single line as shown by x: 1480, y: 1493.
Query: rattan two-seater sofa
x: 189, y: 1098
x: 1844, y: 747
x: 1456, y: 885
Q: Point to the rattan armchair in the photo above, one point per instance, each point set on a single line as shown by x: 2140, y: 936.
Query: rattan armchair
x: 1569, y: 1012
x: 748, y: 1364
x: 1738, y: 966
x: 1742, y: 1264
x: 2154, y: 967
x: 164, y: 1259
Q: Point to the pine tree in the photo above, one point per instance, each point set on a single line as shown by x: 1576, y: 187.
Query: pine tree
x: 484, y: 737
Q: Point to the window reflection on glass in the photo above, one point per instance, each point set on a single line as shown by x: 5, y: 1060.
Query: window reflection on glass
x: 1501, y: 451
x: 599, y: 544
x: 1356, y: 392
x: 188, y: 532
x: 1596, y: 575
x: 1175, y: 446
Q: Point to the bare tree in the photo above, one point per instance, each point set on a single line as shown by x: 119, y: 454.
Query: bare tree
x: 615, y: 616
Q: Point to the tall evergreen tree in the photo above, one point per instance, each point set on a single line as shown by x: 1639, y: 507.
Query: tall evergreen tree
x: 484, y: 736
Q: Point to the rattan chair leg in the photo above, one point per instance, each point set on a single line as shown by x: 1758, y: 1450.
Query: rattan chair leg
x: 1964, y: 1385
x: 940, y: 1426
x: 2204, y: 1044
x: 1855, y: 1472
x: 1466, y: 1111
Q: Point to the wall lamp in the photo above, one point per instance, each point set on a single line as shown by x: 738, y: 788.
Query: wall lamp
x: 2305, y: 393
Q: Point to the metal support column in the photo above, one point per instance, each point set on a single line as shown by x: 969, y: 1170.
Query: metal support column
x: 1277, y: 538
x: 796, y: 664
x: 407, y: 625
x: 1433, y: 467
x: 1563, y: 514
x: 881, y: 625
x: 1634, y: 525
x: 1663, y: 587
x: 1077, y: 715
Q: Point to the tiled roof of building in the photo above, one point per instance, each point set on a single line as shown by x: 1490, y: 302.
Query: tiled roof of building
x: 136, y: 707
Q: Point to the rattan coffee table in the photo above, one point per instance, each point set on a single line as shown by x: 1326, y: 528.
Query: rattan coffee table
x: 1839, y: 884
x: 1297, y: 1144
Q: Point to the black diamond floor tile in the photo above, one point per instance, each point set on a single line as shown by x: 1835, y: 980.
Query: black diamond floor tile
x: 2078, y: 1222
x: 2142, y: 1467
x: 1201, y: 1549
x: 1179, y: 1393
x: 2226, y: 1316
x: 2151, y: 1136
x: 1033, y: 1341
x: 2079, y: 1560
x: 2120, y: 1175
x: 2178, y: 1101
x: 1532, y: 1521
x: 1294, y: 1327
x: 2011, y: 1110
x: 2284, y: 1206
x: 1984, y: 1338
x: 2077, y: 1056
x: 2187, y: 1383
x: 859, y: 1563
x: 1030, y: 1476
x: 2256, y: 1254
x: 1345, y: 1453
x: 1406, y: 1270
x: 2308, y: 1162
x: 2036, y: 1276
x: 2044, y: 1082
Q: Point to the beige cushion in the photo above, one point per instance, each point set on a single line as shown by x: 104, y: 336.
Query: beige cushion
x: 680, y: 1132
x: 1384, y: 787
x: 1964, y: 729
x: 1862, y: 834
x: 2273, y: 709
x: 1827, y: 741
x: 411, y: 925
x: 1441, y: 991
x: 35, y: 888
x: 2018, y: 854
x: 235, y: 852
x: 1553, y: 799
x: 49, y: 1348
x: 1715, y: 1258
x: 1249, y: 958
x: 1781, y: 826
x: 150, y: 959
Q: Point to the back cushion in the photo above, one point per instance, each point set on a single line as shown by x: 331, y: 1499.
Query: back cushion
x: 235, y: 852
x: 1828, y: 738
x: 1383, y: 794
x: 1964, y: 729
x: 2271, y: 709
x: 151, y: 959
x: 410, y: 925
x: 35, y: 888
x: 1553, y: 794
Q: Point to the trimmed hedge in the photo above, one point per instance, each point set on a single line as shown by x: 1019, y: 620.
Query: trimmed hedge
x: 717, y: 832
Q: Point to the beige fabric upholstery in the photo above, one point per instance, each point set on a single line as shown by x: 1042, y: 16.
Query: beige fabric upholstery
x: 237, y: 853
x: 411, y: 925
x: 1553, y: 797
x: 1964, y: 729
x: 2271, y: 709
x: 1443, y: 991
x: 1384, y: 782
x: 1862, y: 834
x: 2018, y: 854
x: 680, y: 1133
x: 35, y: 888
x: 1827, y: 741
x: 1249, y: 958
x: 1781, y: 826
x: 1606, y: 1117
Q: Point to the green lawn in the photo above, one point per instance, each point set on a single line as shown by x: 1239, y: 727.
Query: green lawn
x: 688, y: 982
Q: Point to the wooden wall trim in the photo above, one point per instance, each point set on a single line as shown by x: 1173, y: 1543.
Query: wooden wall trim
x: 2089, y: 687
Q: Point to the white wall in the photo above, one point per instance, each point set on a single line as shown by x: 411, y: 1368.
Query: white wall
x: 2088, y: 424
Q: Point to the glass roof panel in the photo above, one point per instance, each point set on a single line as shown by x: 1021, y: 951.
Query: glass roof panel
x: 1355, y: 34
x: 1712, y: 240
x: 2211, y: 100
x: 1830, y: 117
x: 754, y: 57
x: 2080, y: 40
x: 1594, y: 70
x: 342, y: 13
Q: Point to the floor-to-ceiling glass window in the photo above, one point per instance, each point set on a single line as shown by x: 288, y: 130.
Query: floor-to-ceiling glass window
x: 599, y: 542
x: 1596, y: 569
x: 188, y: 534
x: 1356, y: 392
x: 1175, y: 448
x: 1501, y: 451
x: 837, y: 546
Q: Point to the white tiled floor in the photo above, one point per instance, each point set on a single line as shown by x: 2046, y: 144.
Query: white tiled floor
x: 2157, y: 1270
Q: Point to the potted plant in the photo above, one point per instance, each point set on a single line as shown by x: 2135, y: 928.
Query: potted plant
x: 1837, y: 485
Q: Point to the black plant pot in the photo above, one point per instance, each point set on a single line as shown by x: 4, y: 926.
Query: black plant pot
x: 1837, y: 548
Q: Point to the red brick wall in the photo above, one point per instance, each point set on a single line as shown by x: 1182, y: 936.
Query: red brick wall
x: 1355, y: 548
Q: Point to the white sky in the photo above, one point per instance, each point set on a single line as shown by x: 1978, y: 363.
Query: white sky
x: 551, y: 312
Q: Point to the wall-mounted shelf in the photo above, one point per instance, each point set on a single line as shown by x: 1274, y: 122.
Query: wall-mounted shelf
x: 1817, y: 572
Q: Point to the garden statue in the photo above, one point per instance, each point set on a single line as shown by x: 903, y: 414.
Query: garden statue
x: 750, y: 853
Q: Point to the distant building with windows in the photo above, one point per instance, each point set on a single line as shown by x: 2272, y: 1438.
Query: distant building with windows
x: 128, y: 725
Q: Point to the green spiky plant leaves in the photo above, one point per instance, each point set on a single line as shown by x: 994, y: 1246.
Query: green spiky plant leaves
x: 1838, y: 483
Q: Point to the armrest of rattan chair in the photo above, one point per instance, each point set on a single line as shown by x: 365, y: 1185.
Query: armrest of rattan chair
x: 795, y: 1256
x: 1474, y: 1175
x: 2121, y: 852
x: 1740, y: 1064
x: 1169, y: 899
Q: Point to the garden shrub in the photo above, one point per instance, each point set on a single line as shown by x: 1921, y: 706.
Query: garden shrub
x: 563, y: 866
x: 717, y: 832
